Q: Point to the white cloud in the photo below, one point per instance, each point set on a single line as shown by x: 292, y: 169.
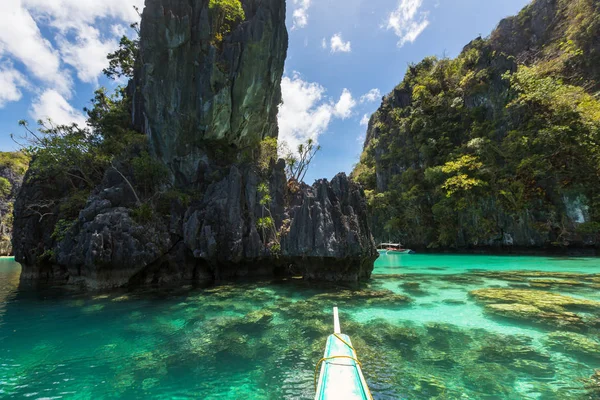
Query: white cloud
x: 371, y: 96
x: 407, y: 21
x: 72, y: 14
x: 81, y: 44
x: 343, y: 108
x: 54, y: 106
x: 306, y: 111
x: 324, y: 43
x: 118, y: 30
x: 81, y: 38
x: 365, y: 120
x: 22, y: 40
x: 338, y: 44
x: 11, y: 82
x: 300, y: 14
x: 87, y: 54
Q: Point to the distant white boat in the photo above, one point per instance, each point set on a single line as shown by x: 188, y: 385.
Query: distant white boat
x: 393, y: 248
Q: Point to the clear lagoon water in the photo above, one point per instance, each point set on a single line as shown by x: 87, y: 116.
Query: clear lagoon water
x: 418, y: 331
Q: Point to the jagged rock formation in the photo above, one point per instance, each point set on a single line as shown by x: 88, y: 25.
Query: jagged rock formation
x: 215, y: 238
x: 12, y: 169
x: 202, y: 104
x: 485, y: 150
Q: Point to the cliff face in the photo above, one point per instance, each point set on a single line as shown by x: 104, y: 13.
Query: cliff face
x: 489, y: 149
x: 205, y: 103
x: 191, y: 92
x: 12, y: 169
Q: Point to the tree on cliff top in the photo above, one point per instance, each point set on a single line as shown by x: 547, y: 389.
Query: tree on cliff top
x: 297, y: 164
x: 121, y: 62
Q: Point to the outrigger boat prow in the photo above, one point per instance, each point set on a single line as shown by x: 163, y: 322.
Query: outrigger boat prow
x: 341, y: 376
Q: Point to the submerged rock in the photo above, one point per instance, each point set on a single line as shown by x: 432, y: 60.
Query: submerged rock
x: 533, y: 368
x: 547, y: 283
x: 486, y: 378
x: 413, y: 288
x: 574, y: 343
x: 592, y: 385
x: 536, y: 306
x: 373, y: 298
x: 538, y: 298
x: 504, y: 349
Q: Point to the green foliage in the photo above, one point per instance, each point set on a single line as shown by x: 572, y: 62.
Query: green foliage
x: 17, y: 161
x: 121, y: 62
x: 460, y: 170
x: 364, y: 171
x: 169, y: 197
x: 66, y: 151
x: 275, y: 249
x: 60, y: 229
x: 589, y: 228
x: 267, y: 153
x: 110, y: 119
x: 8, y: 217
x: 297, y: 163
x: 265, y: 196
x: 266, y: 223
x: 70, y: 207
x: 47, y: 257
x: 225, y: 16
x: 5, y: 187
x: 149, y: 173
x: 77, y: 154
x: 143, y: 214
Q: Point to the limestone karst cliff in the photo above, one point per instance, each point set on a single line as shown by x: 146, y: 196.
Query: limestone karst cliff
x: 191, y: 92
x: 497, y: 148
x: 207, y: 103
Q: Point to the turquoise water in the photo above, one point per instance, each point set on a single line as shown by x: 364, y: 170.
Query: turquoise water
x: 418, y: 327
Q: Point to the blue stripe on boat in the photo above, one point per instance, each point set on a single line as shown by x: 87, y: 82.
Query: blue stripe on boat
x: 341, y: 378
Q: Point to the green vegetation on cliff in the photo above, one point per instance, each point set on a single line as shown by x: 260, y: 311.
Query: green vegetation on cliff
x: 225, y: 15
x: 13, y: 166
x: 498, y: 146
x: 16, y: 161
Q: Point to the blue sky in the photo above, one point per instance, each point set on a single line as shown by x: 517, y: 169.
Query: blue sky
x: 343, y: 56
